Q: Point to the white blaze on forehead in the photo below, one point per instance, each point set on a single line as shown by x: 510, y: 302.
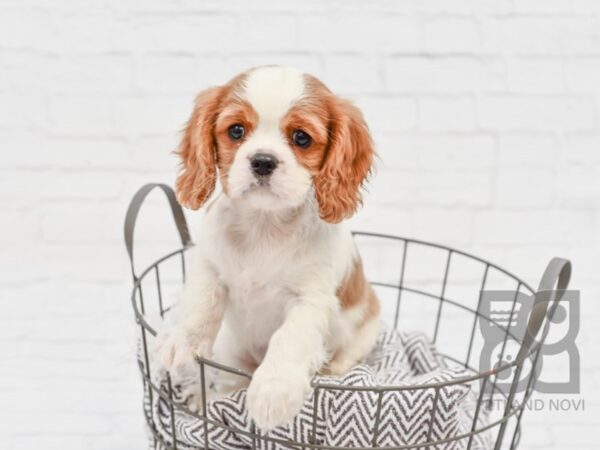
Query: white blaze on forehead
x: 272, y: 91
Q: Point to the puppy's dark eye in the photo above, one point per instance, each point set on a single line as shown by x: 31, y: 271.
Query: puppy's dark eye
x: 236, y: 132
x: 301, y: 139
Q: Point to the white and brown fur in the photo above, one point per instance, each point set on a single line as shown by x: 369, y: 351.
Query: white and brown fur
x: 276, y: 285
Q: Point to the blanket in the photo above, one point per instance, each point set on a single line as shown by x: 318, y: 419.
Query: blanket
x: 347, y: 418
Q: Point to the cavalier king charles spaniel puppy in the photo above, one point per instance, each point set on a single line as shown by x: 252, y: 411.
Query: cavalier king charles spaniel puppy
x: 276, y: 285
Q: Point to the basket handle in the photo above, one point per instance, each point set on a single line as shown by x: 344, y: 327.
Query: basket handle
x: 134, y: 208
x: 554, y: 282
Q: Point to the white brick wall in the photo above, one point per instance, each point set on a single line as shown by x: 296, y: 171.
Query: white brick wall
x: 486, y: 116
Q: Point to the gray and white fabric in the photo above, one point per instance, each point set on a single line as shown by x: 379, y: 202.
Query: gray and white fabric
x: 348, y: 418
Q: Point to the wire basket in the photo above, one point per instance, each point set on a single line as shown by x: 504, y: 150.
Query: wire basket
x: 420, y: 284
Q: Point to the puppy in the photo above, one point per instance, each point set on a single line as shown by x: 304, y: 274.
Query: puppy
x: 276, y: 286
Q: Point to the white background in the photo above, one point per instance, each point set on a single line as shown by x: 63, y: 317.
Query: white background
x: 485, y: 115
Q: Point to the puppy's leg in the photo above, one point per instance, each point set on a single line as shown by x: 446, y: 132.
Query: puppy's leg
x: 229, y: 351
x: 296, y: 350
x: 199, y: 317
x: 218, y: 383
x: 357, y: 347
x: 358, y: 325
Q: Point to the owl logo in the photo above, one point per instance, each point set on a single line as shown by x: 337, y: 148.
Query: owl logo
x: 508, y: 312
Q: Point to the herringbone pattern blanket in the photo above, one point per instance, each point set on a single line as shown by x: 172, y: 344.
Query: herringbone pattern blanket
x: 349, y: 418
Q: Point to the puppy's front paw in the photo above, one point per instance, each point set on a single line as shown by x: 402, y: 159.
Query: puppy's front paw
x: 276, y: 396
x: 192, y: 393
x: 177, y: 349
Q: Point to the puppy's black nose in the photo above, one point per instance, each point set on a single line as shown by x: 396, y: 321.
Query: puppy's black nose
x: 263, y: 164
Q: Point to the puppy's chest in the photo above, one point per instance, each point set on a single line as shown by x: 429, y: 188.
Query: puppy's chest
x: 259, y: 288
x: 259, y: 274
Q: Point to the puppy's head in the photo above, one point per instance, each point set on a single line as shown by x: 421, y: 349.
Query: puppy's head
x: 275, y: 136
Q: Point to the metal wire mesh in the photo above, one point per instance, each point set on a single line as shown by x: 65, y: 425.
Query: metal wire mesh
x: 425, y: 286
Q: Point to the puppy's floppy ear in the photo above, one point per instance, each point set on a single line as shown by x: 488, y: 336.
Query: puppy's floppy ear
x: 347, y: 163
x: 197, y: 151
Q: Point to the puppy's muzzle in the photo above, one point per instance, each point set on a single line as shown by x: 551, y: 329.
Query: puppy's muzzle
x: 263, y: 164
